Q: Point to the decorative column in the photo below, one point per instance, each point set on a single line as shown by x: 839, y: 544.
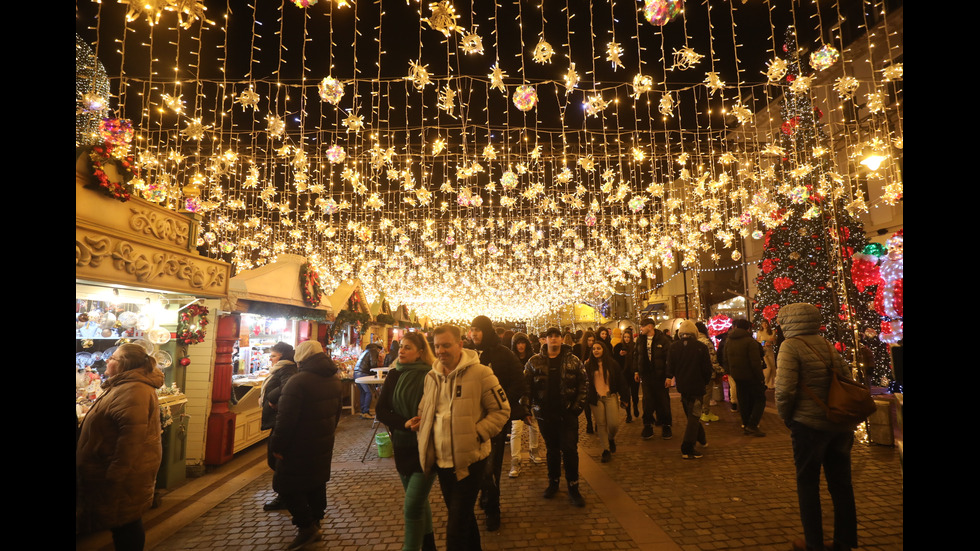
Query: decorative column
x: 221, y: 421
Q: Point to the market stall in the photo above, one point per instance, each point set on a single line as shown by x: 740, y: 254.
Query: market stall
x: 272, y: 303
x: 139, y: 279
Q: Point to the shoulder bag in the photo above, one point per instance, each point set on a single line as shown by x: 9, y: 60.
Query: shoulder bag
x: 848, y: 401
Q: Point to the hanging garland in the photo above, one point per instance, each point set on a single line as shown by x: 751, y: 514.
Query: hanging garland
x: 309, y: 282
x: 346, y: 317
x: 102, y: 154
x: 193, y: 313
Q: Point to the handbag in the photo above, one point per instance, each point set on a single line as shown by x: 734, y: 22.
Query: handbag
x: 848, y: 401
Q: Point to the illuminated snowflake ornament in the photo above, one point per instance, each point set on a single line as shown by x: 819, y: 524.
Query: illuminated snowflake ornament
x: 846, y: 86
x: 641, y: 85
x: 353, y: 122
x: 248, y: 98
x: 542, y: 52
x: 447, y: 100
x: 667, y: 105
x: 497, y: 79
x: 443, y: 17
x: 686, y: 58
x: 713, y: 82
x: 895, y: 71
x: 195, y: 129
x: 174, y: 103
x: 777, y: 70
x: 275, y: 126
x: 614, y: 54
x: 418, y: 74
x: 594, y: 105
x: 572, y: 79
x: 472, y: 43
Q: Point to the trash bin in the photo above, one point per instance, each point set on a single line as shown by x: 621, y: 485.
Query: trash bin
x: 383, y: 441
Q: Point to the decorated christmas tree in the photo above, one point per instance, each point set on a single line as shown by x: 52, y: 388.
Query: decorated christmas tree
x: 811, y: 241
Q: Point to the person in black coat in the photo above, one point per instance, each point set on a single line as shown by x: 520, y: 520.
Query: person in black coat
x: 689, y: 364
x: 650, y: 364
x: 623, y: 352
x: 370, y: 358
x: 605, y: 387
x: 303, y: 439
x: 283, y: 367
x: 510, y: 373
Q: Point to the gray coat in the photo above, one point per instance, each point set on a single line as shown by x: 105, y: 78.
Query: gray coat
x: 801, y: 325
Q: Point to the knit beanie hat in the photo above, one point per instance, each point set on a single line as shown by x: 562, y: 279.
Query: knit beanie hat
x: 306, y: 349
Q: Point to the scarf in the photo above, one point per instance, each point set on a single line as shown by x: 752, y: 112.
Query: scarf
x: 408, y: 392
x: 265, y: 381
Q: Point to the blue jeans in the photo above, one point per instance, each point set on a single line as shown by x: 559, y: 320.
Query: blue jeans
x: 365, y: 398
x: 813, y: 449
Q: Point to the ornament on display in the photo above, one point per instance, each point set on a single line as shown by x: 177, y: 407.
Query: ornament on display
x: 336, y: 154
x: 120, y: 186
x: 660, y: 12
x: 191, y: 323
x: 248, y: 98
x: 304, y: 3
x: 525, y: 97
x: 542, y: 53
x: 718, y: 324
x: 116, y: 132
x: 309, y: 280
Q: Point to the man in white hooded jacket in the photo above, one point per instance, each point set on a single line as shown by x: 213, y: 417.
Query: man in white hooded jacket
x: 463, y: 406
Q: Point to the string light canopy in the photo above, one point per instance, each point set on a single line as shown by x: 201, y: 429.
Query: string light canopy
x: 494, y: 158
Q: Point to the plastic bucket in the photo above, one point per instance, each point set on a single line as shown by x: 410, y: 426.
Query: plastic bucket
x: 383, y: 441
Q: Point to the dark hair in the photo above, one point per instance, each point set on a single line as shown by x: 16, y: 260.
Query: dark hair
x: 285, y: 350
x: 702, y: 328
x: 607, y: 359
x: 743, y: 324
x: 451, y: 329
x: 647, y: 321
x: 552, y: 331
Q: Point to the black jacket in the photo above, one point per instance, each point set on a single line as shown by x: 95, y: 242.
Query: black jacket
x: 657, y: 369
x: 573, y: 385
x: 743, y: 356
x: 690, y: 362
x: 617, y: 383
x: 369, y: 359
x: 506, y: 367
x: 273, y: 389
x: 309, y: 410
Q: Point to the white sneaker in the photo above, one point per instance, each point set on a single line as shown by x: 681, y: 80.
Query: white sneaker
x: 533, y: 456
x: 515, y: 468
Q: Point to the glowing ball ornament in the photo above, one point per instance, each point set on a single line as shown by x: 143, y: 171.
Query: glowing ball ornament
x: 331, y: 90
x: 660, y: 12
x: 508, y: 180
x: 525, y: 97
x: 757, y: 234
x: 336, y: 154
x: 304, y: 3
x: 824, y: 57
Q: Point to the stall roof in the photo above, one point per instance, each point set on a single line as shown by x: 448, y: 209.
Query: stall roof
x: 262, y: 289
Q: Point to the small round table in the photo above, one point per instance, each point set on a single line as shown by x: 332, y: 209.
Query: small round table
x: 375, y: 384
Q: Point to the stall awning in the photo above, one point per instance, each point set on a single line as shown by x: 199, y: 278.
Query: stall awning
x: 653, y: 308
x: 274, y: 291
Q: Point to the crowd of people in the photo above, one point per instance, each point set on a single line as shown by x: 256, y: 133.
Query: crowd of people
x: 451, y: 401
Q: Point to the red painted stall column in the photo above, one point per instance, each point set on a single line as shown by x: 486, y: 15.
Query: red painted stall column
x: 221, y: 422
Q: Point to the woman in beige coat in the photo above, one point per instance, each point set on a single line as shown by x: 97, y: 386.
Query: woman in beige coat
x: 119, y: 449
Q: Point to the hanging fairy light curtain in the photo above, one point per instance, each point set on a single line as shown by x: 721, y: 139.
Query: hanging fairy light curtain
x: 521, y: 156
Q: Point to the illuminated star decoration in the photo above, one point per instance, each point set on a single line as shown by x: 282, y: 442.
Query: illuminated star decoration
x: 685, y: 58
x: 667, y: 105
x: 777, y: 70
x: 353, y: 122
x: 92, y: 103
x: 418, y: 74
x: 543, y: 52
x: 175, y: 104
x: 275, y: 126
x: 195, y: 130
x: 846, y: 86
x: 894, y: 71
x: 714, y: 83
x: 594, y: 105
x: 742, y: 113
x: 248, y: 98
x: 472, y: 43
x: 497, y: 79
x: 447, y: 100
x: 801, y: 84
x: 572, y: 79
x: 443, y: 18
x: 614, y: 53
x: 641, y: 85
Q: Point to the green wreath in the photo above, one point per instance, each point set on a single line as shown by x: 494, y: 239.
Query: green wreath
x: 187, y: 317
x: 309, y: 282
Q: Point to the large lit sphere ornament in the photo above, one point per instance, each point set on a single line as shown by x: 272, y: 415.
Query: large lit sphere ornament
x: 336, y: 154
x: 304, y: 3
x: 660, y: 12
x: 824, y: 57
x: 525, y: 97
x: 508, y: 180
x: 757, y: 234
x: 331, y: 90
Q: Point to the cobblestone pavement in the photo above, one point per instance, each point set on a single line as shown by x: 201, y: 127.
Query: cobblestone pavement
x: 740, y: 495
